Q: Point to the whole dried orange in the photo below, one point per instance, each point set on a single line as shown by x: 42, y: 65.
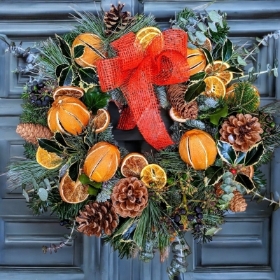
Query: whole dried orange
x: 101, y: 120
x: 153, y: 176
x: 198, y: 149
x: 196, y: 60
x: 90, y: 55
x: 71, y: 191
x: 214, y: 87
x: 218, y: 69
x: 47, y: 159
x: 68, y: 91
x: 146, y: 35
x: 68, y: 115
x: 132, y: 165
x: 102, y: 162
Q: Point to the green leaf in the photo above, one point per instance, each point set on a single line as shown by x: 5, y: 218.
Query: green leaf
x: 59, y: 69
x: 227, y: 50
x: 50, y: 146
x: 245, y: 181
x: 213, y: 174
x: 194, y: 90
x: 79, y: 51
x: 64, y: 47
x: 226, y: 152
x: 66, y: 77
x: 198, y: 77
x: 254, y: 154
x: 208, y: 56
x: 88, y: 76
x: 84, y: 179
x: 214, y: 16
x: 74, y: 171
x: 60, y: 139
x: 92, y: 191
x: 240, y: 158
x: 234, y: 70
x: 220, y: 113
x: 95, y: 99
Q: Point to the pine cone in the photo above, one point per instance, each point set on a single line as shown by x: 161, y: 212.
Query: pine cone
x: 176, y: 94
x: 218, y: 190
x: 237, y: 203
x: 96, y: 218
x: 116, y: 20
x: 31, y: 132
x: 129, y: 197
x: 242, y: 131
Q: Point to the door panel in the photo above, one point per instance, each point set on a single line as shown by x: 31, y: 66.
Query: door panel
x: 248, y: 245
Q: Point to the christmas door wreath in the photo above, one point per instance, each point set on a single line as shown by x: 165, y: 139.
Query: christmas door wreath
x: 194, y: 171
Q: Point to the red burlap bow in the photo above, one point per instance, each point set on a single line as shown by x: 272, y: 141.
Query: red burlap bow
x: 135, y: 71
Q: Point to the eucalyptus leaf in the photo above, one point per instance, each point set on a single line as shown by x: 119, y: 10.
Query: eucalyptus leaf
x: 212, y: 231
x: 25, y: 194
x: 227, y: 50
x: 241, y: 61
x: 217, y: 115
x: 50, y: 146
x: 200, y: 36
x: 275, y: 72
x: 254, y: 154
x: 212, y: 26
x: 47, y: 184
x: 226, y: 152
x: 202, y: 26
x: 245, y: 181
x: 213, y: 174
x: 214, y: 16
x: 194, y: 90
x: 74, y: 171
x: 43, y: 194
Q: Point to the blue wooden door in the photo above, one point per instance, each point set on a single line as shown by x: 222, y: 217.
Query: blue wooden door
x: 248, y: 245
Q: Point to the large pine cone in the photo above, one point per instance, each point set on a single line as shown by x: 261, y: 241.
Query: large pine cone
x: 31, y: 132
x: 237, y: 203
x: 176, y: 97
x: 96, y: 218
x: 116, y: 20
x: 129, y: 197
x: 242, y: 131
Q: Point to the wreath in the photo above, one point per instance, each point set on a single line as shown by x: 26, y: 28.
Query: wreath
x: 186, y: 91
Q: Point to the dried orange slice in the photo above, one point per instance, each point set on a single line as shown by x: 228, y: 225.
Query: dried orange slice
x: 207, y: 45
x: 247, y: 170
x: 101, y: 120
x: 146, y: 35
x: 175, y: 116
x: 68, y: 91
x: 132, y: 165
x: 71, y: 191
x: 218, y: 69
x: 214, y: 87
x: 47, y: 159
x: 153, y: 176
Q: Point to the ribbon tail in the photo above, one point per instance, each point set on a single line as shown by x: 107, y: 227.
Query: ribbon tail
x: 126, y: 120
